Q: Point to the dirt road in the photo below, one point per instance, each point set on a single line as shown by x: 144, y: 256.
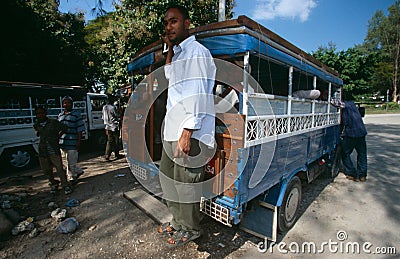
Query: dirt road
x: 111, y: 227
x: 352, y: 214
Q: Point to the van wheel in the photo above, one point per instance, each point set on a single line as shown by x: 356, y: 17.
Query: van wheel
x: 20, y: 158
x: 288, y: 211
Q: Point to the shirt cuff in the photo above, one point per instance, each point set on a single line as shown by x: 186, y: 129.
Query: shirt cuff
x: 192, y: 123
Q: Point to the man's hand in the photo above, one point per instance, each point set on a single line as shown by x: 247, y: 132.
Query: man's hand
x: 183, y: 147
x: 166, y: 40
x: 170, y: 53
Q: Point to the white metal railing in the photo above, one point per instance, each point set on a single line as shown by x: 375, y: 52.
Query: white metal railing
x: 260, y: 129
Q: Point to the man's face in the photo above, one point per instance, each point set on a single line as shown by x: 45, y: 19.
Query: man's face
x: 41, y: 115
x: 67, y: 105
x: 176, y: 27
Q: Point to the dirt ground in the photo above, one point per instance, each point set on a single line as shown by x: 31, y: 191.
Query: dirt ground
x: 110, y: 226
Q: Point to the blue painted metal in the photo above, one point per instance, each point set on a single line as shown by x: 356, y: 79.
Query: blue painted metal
x: 241, y: 43
x: 141, y: 62
x: 291, y: 157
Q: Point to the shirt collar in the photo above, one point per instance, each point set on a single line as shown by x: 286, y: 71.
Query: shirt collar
x: 184, y: 44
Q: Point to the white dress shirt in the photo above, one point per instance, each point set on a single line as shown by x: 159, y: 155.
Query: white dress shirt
x: 190, y: 102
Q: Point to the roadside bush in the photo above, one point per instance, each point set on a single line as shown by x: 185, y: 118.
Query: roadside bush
x: 392, y: 107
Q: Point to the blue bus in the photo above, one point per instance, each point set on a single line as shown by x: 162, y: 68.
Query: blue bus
x: 279, y: 132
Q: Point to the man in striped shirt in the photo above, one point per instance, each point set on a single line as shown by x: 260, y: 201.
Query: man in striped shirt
x: 70, y: 141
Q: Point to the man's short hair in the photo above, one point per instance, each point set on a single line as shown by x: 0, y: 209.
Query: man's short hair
x: 181, y: 9
x: 348, y: 96
x: 40, y: 108
x: 67, y: 98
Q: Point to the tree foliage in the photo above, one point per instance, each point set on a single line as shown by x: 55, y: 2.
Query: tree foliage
x: 41, y: 44
x: 355, y: 66
x: 114, y: 38
x: 373, y: 67
x: 384, y: 36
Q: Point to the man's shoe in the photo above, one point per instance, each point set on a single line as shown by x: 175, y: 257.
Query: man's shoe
x: 363, y: 179
x: 352, y: 178
x: 107, y: 158
x: 119, y: 156
x: 79, y: 174
x: 74, y: 178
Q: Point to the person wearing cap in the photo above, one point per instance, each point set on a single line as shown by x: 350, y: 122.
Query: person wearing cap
x: 70, y: 141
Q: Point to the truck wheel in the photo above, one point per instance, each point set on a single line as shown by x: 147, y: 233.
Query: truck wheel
x: 336, y: 163
x: 18, y: 159
x: 288, y: 211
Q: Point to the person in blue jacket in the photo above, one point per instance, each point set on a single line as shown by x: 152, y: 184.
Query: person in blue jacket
x: 353, y: 137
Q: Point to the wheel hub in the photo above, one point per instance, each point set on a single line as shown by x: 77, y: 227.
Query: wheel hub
x: 291, y: 205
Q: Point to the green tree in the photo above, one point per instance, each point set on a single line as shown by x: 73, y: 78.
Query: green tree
x: 40, y: 44
x: 114, y: 38
x: 384, y: 36
x: 355, y: 65
x: 328, y: 55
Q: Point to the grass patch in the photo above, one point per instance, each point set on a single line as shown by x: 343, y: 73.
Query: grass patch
x: 381, y: 108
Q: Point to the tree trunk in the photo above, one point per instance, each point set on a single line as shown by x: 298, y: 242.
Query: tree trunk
x: 396, y: 71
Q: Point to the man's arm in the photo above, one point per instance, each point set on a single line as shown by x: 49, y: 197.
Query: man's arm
x: 62, y: 128
x: 183, y: 147
x: 80, y: 128
x: 170, y: 52
x: 78, y: 145
x: 338, y: 103
x: 36, y: 128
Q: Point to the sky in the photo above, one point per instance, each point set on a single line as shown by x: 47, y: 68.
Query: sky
x: 308, y: 24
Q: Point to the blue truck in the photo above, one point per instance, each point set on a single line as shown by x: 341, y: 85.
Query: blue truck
x: 280, y: 131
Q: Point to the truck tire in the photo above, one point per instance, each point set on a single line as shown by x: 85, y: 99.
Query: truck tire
x: 19, y: 158
x: 336, y: 162
x: 289, y: 210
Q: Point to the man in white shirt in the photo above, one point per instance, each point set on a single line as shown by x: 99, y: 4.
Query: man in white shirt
x: 111, y: 121
x: 189, y: 126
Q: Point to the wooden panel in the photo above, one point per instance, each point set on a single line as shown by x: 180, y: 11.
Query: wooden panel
x: 229, y: 145
x: 234, y: 124
x: 230, y: 141
x: 153, y: 207
x: 213, y: 170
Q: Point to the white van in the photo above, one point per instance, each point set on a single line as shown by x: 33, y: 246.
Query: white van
x: 18, y: 142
